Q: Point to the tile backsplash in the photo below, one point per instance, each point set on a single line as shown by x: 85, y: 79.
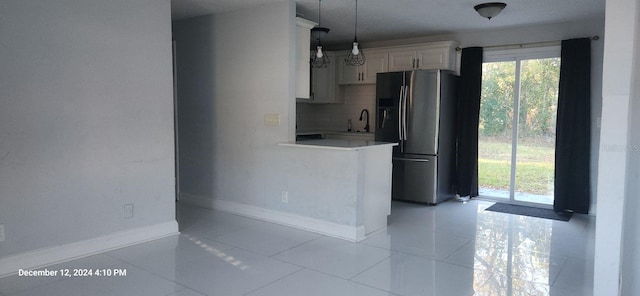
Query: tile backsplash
x: 335, y: 116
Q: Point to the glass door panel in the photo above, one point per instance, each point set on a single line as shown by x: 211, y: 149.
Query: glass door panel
x: 535, y: 156
x: 495, y: 131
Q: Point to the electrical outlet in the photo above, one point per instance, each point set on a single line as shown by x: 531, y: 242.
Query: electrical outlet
x: 128, y: 210
x: 1, y: 233
x: 285, y: 197
x: 272, y: 119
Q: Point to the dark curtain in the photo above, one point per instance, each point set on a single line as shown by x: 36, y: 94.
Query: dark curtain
x: 573, y: 129
x: 467, y: 121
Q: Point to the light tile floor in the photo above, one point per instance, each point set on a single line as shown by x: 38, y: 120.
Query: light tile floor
x: 452, y: 249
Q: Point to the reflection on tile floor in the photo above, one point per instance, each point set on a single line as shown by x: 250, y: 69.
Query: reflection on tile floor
x: 451, y: 249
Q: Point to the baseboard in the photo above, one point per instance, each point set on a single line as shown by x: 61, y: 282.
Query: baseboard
x: 346, y: 232
x: 52, y: 255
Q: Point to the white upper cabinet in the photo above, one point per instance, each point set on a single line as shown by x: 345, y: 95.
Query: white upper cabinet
x: 402, y: 59
x: 303, y: 43
x: 376, y: 62
x: 323, y: 82
x: 437, y: 55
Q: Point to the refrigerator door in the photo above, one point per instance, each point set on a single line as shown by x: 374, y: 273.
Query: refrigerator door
x: 389, y: 88
x: 422, y: 112
x: 414, y: 179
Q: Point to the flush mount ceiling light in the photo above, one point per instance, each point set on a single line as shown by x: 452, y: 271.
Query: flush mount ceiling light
x: 356, y: 56
x: 319, y: 59
x: 490, y: 9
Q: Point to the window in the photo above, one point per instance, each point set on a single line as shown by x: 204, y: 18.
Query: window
x: 516, y: 144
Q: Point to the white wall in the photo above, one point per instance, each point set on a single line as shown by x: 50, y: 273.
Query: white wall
x: 616, y: 263
x: 86, y: 120
x: 631, y: 231
x: 196, y: 73
x: 617, y: 271
x: 233, y: 68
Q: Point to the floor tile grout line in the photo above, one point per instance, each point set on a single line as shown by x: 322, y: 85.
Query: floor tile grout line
x: 300, y: 244
x: 564, y: 264
x: 275, y: 281
x: 257, y: 253
x: 149, y: 271
x: 375, y: 264
x: 381, y: 290
x: 457, y: 249
x: 184, y: 286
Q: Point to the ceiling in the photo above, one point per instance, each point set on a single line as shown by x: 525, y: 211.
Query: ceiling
x: 380, y: 20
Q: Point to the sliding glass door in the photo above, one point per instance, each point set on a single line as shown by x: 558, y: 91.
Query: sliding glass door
x: 517, y: 125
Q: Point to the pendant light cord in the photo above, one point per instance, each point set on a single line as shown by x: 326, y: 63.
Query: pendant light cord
x: 319, y: 16
x: 355, y: 37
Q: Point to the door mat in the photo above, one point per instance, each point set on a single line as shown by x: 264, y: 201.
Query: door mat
x: 529, y: 211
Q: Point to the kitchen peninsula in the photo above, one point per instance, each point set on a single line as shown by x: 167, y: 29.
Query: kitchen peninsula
x: 341, y: 187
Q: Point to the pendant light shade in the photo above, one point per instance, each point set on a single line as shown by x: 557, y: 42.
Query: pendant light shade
x: 319, y: 59
x: 356, y: 56
x: 490, y: 9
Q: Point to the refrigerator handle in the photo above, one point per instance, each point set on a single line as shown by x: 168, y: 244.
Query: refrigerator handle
x: 404, y: 114
x: 400, y: 116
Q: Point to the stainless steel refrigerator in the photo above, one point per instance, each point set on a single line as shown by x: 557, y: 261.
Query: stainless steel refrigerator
x: 417, y: 109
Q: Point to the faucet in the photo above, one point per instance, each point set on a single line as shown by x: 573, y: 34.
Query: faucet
x: 366, y: 127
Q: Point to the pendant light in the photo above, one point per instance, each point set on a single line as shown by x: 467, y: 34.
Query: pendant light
x: 319, y: 59
x: 356, y: 56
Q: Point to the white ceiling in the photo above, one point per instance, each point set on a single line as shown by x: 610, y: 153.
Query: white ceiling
x: 398, y: 19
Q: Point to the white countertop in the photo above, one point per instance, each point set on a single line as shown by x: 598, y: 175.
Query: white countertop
x: 336, y: 144
x: 315, y: 131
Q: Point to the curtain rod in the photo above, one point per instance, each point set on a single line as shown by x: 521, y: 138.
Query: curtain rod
x: 594, y: 38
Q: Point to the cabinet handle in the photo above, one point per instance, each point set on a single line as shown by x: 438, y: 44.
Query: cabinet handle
x: 418, y: 67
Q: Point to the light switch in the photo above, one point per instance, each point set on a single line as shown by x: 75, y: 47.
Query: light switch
x: 272, y: 119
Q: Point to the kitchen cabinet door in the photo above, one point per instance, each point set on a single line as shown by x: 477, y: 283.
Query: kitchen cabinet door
x: 377, y: 62
x: 347, y: 74
x: 323, y: 82
x: 437, y: 55
x: 402, y: 59
x: 433, y: 58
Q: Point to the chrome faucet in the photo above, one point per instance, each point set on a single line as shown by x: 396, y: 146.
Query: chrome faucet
x: 366, y: 127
